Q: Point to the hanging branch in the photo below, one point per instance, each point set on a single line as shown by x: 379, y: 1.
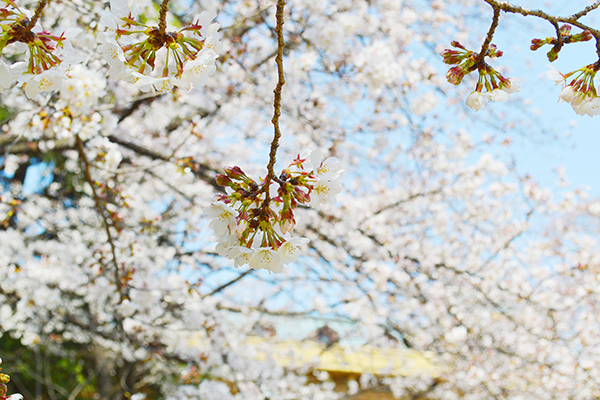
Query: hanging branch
x: 37, y: 14
x: 277, y: 92
x: 162, y: 17
x: 488, y: 38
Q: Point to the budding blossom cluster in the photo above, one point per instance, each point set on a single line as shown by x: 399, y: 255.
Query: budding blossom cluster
x: 497, y: 87
x: 4, y: 379
x: 566, y: 37
x: 147, y: 56
x: 154, y: 59
x: 581, y: 91
x: 50, y: 56
x: 252, y: 222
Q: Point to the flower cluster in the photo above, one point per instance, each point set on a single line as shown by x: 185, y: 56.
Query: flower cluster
x: 580, y: 91
x: 565, y: 36
x: 253, y: 220
x: 4, y: 379
x: 49, y: 55
x: 154, y: 59
x: 497, y: 87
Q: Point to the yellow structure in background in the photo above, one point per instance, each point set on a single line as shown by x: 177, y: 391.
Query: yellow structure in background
x: 364, y: 359
x: 313, y: 346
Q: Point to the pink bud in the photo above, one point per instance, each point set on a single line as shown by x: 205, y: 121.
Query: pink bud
x: 222, y: 180
x: 300, y: 195
x: 455, y: 43
x: 565, y: 29
x: 235, y: 173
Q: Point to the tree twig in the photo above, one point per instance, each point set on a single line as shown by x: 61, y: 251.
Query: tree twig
x: 162, y: 17
x: 277, y: 92
x: 37, y: 14
x: 554, y: 20
x: 488, y: 39
x: 86, y: 170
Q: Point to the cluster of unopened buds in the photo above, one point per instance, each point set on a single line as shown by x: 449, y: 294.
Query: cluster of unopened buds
x: 154, y: 59
x: 565, y: 38
x: 252, y: 222
x: 580, y: 92
x: 491, y: 85
x: 4, y: 379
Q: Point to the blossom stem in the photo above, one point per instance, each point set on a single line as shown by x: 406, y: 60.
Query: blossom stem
x: 488, y: 38
x: 162, y: 17
x: 277, y: 92
x: 37, y: 14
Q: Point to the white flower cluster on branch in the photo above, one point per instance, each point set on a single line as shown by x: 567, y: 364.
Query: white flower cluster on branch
x: 148, y: 56
x: 253, y: 221
x: 154, y: 59
x: 437, y: 251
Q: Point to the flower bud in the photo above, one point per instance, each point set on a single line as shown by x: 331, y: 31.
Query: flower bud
x: 552, y: 54
x: 455, y: 75
x: 456, y: 43
x: 222, y: 180
x: 300, y: 195
x: 236, y: 173
x: 537, y: 43
x: 582, y: 37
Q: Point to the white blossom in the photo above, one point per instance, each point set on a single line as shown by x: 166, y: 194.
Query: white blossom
x: 290, y: 250
x: 476, y: 101
x: 267, y: 258
x: 223, y: 218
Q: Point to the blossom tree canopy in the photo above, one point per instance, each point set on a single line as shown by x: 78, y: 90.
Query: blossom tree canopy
x: 172, y: 171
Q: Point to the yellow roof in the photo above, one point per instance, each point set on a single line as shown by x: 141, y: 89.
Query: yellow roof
x: 364, y: 359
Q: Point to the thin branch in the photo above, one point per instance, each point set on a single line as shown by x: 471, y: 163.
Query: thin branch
x: 277, y: 92
x: 202, y: 171
x: 88, y: 178
x: 38, y: 13
x: 9, y: 148
x: 572, y: 19
x: 488, y: 39
x: 162, y: 18
x: 586, y: 10
x: 227, y: 284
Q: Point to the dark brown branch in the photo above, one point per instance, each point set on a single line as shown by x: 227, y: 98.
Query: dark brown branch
x: 559, y: 37
x: 200, y: 170
x: 88, y: 177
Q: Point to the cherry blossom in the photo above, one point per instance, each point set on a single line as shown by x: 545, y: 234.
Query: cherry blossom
x: 154, y: 59
x: 476, y: 101
x: 431, y: 249
x: 223, y: 218
x: 266, y: 258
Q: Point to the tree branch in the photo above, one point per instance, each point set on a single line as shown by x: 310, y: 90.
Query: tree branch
x: 277, y: 92
x: 554, y: 20
x: 86, y: 169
